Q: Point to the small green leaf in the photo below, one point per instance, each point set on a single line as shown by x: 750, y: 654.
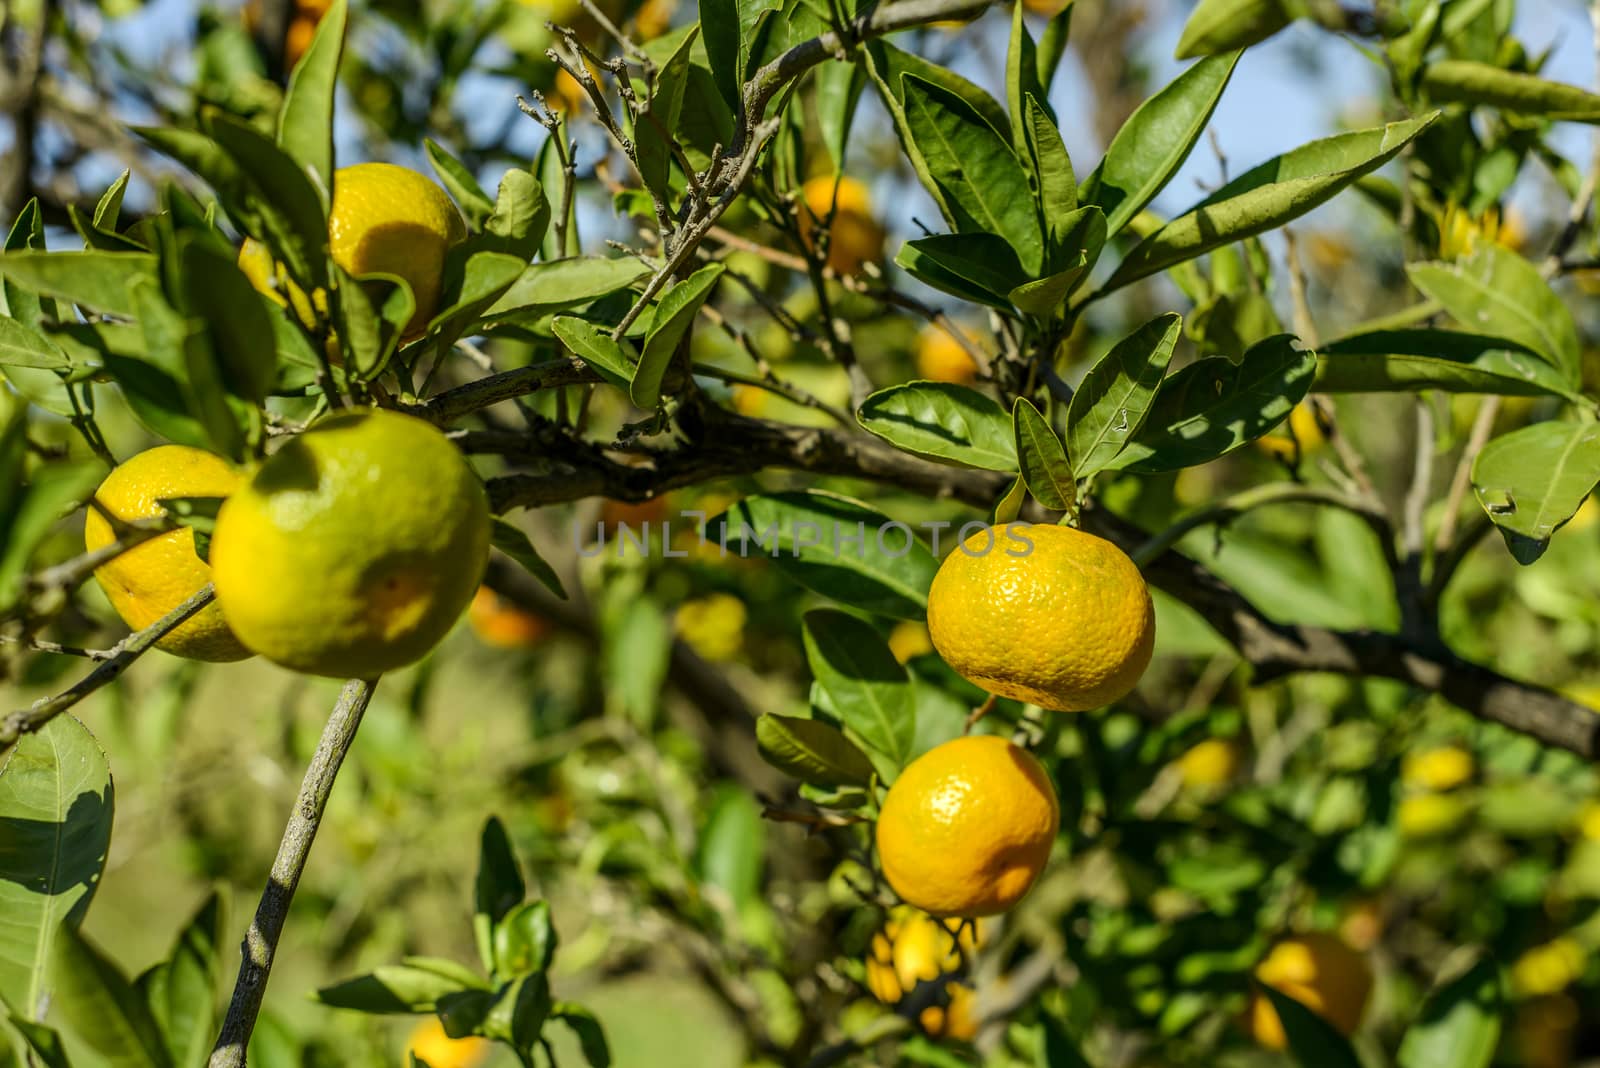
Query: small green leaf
x: 1077, y: 240
x: 1312, y: 1040
x: 1467, y: 82
x: 45, y: 1042
x: 980, y: 268
x: 614, y: 360
x: 812, y: 751
x: 371, y: 313
x: 584, y: 1024
x: 943, y: 421
x: 1397, y: 361
x: 520, y: 218
x: 1022, y: 85
x: 1058, y: 186
x: 1043, y: 459
x: 235, y: 314
x: 1531, y: 481
x: 21, y: 346
x: 182, y: 991
x: 109, y: 207
x: 515, y: 543
x: 867, y: 688
x: 485, y: 279
x: 499, y: 887
x: 731, y: 845
x: 674, y: 316
x: 459, y: 182
x: 525, y: 941
x: 1223, y: 25
x: 838, y: 93
x: 1110, y: 404
x: 52, y: 493
x: 545, y: 288
x: 395, y: 988
x: 100, y: 1007
x: 305, y: 124
x: 1459, y: 1026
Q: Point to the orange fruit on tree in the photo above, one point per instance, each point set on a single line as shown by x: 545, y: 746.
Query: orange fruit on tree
x: 967, y: 827
x: 942, y: 358
x: 432, y: 1046
x: 1044, y: 614
x: 156, y: 576
x: 1319, y: 971
x: 855, y: 237
x: 1442, y: 768
x: 914, y: 948
x: 1211, y: 763
x: 499, y: 623
x: 354, y: 548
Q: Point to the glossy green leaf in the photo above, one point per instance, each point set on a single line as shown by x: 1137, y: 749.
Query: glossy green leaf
x: 56, y: 803
x: 109, y: 207
x: 515, y: 543
x: 720, y: 29
x: 182, y: 991
x: 867, y: 688
x: 1222, y: 25
x: 1268, y: 196
x: 1467, y: 82
x: 980, y: 177
x: 486, y: 277
x: 1057, y: 185
x: 475, y: 204
x: 731, y: 846
x: 838, y: 94
x: 1214, y: 406
x: 1395, y: 361
x: 942, y: 421
x: 1459, y: 1026
x: 22, y: 346
x: 395, y: 988
x: 981, y: 268
x: 1150, y: 147
x: 585, y: 1025
x: 1043, y: 459
x: 44, y: 1042
x: 1078, y: 240
x: 1110, y: 404
x: 1531, y: 481
x: 520, y: 217
x: 371, y: 313
x: 614, y: 360
x: 1022, y: 83
x: 674, y: 316
x: 525, y: 941
x: 1313, y: 1042
x: 812, y: 751
x: 499, y: 887
x: 559, y: 188
x: 100, y: 1007
x: 1495, y: 291
x: 96, y: 281
x: 834, y: 546
x: 545, y: 288
x: 305, y: 124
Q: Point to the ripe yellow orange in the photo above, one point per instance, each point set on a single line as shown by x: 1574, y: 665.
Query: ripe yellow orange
x: 654, y: 18
x: 909, y: 640
x: 1044, y: 614
x: 1428, y: 815
x: 354, y: 548
x: 156, y: 576
x: 914, y: 948
x: 967, y: 827
x: 386, y: 219
x: 430, y: 1044
x: 1439, y: 769
x: 713, y: 625
x: 1211, y: 763
x: 1304, y: 428
x: 1321, y: 973
x: 499, y: 623
x: 942, y: 358
x: 1548, y: 969
x: 855, y: 238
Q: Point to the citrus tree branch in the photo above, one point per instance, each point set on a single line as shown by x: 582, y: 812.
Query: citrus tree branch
x: 261, y: 941
x: 115, y: 661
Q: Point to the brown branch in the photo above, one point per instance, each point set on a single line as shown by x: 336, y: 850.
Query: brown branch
x: 453, y: 404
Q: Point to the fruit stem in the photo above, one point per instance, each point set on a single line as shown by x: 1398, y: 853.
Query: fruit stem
x: 978, y: 713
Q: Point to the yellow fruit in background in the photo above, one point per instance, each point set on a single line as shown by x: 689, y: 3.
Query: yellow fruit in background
x: 914, y: 948
x: 354, y: 548
x: 156, y: 576
x: 1304, y: 428
x: 1427, y: 815
x: 1361, y: 924
x: 942, y: 358
x: 967, y: 827
x: 909, y: 640
x: 386, y: 219
x: 499, y: 623
x: 1320, y: 972
x: 1044, y: 614
x: 855, y: 236
x: 1548, y: 969
x: 1586, y: 516
x: 712, y: 625
x: 1588, y: 821
x: 654, y: 18
x: 1213, y: 762
x: 1440, y: 769
x: 430, y: 1044
x: 270, y: 277
x: 750, y: 401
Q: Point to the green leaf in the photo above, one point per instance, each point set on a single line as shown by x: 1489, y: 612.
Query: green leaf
x: 178, y: 348
x: 21, y: 346
x: 56, y: 803
x: 1459, y: 1026
x: 942, y: 421
x: 614, y: 360
x: 515, y: 543
x: 1214, y: 406
x: 1222, y: 25
x: 867, y: 688
x: 100, y: 1007
x: 1495, y: 291
x: 545, y: 288
x: 1531, y: 481
x: 459, y: 182
x: 1043, y: 459
x: 673, y: 79
x: 730, y: 849
x: 109, y: 207
x: 1109, y: 407
x: 525, y: 941
x: 1268, y: 196
x: 519, y: 1016
x: 981, y: 268
x: 1053, y: 44
x: 720, y: 28
x: 485, y: 278
x: 674, y: 316
x: 1395, y: 361
x: 371, y: 313
x: 499, y: 887
x: 52, y: 493
x: 812, y: 751
x: 838, y: 93
x: 556, y: 182
x: 520, y: 218
x: 1150, y: 147
x: 45, y: 1042
x: 837, y: 547
x: 1022, y: 85
x: 236, y: 315
x: 1058, y: 187
x: 1312, y: 1040
x: 95, y: 281
x: 182, y: 991
x: 974, y: 168
x: 1057, y: 1048
x: 584, y: 1024
x: 305, y: 124
x: 396, y: 988
x: 1078, y: 238
x: 1467, y: 82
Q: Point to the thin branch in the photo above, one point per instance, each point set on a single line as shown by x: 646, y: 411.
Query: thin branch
x: 261, y: 942
x: 453, y: 404
x: 1477, y: 438
x: 39, y: 645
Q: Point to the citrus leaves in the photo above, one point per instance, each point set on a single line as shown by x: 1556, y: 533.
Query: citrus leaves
x: 1533, y: 480
x: 1468, y: 82
x: 1459, y: 1026
x: 812, y: 751
x: 1110, y: 404
x: 942, y: 421
x: 867, y: 688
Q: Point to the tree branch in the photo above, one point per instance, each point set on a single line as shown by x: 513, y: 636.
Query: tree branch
x: 261, y: 942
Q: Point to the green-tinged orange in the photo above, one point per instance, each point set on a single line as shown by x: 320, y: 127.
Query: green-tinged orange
x: 354, y: 549
x: 156, y: 576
